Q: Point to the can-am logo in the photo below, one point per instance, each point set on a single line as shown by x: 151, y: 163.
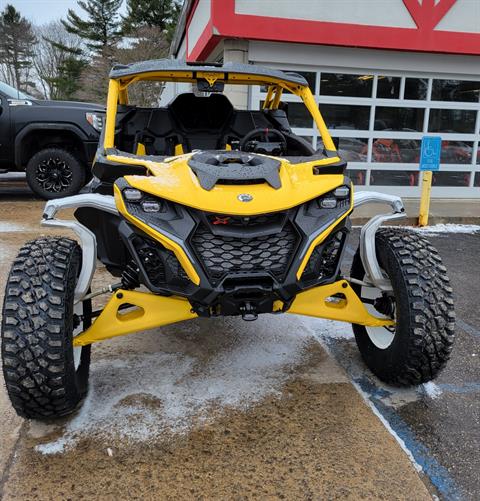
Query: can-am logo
x: 245, y: 197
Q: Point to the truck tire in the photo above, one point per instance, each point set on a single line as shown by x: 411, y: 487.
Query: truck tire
x: 45, y: 376
x: 419, y: 346
x: 55, y: 173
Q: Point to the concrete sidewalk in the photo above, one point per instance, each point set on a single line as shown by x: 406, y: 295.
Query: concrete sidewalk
x: 442, y: 210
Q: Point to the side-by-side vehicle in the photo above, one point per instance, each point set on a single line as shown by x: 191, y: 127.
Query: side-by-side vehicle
x: 198, y: 209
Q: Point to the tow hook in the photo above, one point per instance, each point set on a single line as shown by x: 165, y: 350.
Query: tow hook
x: 249, y: 313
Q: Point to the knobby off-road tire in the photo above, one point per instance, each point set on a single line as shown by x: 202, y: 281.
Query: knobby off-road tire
x: 46, y: 164
x: 37, y: 329
x: 423, y: 337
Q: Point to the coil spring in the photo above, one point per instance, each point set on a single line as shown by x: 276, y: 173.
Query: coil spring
x: 130, y: 278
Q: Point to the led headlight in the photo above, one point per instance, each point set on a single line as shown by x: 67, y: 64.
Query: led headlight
x: 151, y: 206
x: 132, y: 195
x: 328, y: 203
x: 342, y: 192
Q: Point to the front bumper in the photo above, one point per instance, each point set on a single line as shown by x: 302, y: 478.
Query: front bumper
x: 231, y: 264
x: 333, y: 299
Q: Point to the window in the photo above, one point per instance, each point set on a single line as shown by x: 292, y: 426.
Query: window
x: 357, y: 176
x: 398, y: 177
x: 477, y: 179
x: 298, y: 115
x: 401, y: 119
x: 395, y: 150
x: 462, y: 121
x: 416, y: 88
x: 451, y: 178
x: 388, y: 87
x: 456, y: 152
x: 456, y: 90
x: 341, y: 116
x: 352, y: 149
x: 333, y: 84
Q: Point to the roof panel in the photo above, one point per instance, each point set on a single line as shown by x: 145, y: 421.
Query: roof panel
x: 174, y: 65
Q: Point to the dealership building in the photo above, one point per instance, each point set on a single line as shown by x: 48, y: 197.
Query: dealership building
x: 385, y: 73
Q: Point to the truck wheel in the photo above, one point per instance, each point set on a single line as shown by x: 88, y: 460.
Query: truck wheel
x: 55, y: 173
x: 45, y: 376
x: 419, y: 346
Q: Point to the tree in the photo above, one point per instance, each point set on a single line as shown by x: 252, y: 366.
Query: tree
x: 143, y: 44
x: 58, y: 61
x: 101, y: 30
x: 17, y: 41
x: 162, y: 14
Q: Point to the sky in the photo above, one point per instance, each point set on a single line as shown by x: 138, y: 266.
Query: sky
x: 43, y: 11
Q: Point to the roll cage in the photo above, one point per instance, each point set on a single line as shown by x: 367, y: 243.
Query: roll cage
x: 210, y: 77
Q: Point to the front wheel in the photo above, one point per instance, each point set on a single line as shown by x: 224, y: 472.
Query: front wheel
x: 45, y: 376
x: 419, y: 346
x: 55, y: 173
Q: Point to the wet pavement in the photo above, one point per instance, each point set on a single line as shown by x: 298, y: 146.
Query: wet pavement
x: 280, y: 408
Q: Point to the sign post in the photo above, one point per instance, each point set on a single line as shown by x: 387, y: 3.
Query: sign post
x: 429, y: 161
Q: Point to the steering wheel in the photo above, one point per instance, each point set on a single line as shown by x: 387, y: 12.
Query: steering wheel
x: 258, y: 141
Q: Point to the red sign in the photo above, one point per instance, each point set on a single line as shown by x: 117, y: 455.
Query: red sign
x: 427, y: 14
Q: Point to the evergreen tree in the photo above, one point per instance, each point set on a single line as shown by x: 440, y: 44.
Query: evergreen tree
x: 17, y: 41
x: 66, y: 82
x: 101, y: 29
x: 161, y: 14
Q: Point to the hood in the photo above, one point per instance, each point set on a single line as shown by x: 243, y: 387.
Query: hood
x: 69, y: 104
x: 175, y: 180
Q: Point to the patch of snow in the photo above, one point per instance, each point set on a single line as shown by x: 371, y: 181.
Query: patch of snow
x: 327, y: 329
x: 56, y: 447
x: 10, y: 227
x: 448, y: 228
x: 432, y: 390
x: 142, y: 396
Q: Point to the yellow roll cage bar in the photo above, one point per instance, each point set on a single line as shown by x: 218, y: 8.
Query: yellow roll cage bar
x: 118, y: 94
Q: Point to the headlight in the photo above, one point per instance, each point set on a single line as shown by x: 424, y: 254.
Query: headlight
x: 339, y: 197
x: 95, y: 120
x: 139, y: 202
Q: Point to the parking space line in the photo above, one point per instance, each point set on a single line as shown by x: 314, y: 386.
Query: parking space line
x: 438, y: 474
x: 467, y: 327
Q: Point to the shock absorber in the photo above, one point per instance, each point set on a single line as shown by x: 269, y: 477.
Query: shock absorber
x: 130, y: 278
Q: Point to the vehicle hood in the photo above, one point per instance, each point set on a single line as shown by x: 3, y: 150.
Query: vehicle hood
x: 174, y: 180
x: 69, y: 104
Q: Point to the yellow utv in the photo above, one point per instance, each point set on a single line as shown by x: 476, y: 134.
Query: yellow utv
x: 199, y: 209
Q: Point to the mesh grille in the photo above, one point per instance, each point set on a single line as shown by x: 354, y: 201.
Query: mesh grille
x: 221, y: 255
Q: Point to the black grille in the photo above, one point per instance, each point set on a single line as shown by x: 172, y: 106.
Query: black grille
x: 221, y: 255
x: 324, y: 259
x: 158, y: 261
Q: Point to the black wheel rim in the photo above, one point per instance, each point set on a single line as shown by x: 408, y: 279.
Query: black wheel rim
x: 54, y: 175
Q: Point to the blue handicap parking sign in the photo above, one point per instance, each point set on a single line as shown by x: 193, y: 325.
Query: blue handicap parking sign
x: 430, y: 154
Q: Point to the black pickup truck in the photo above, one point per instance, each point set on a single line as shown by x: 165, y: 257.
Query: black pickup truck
x: 54, y: 142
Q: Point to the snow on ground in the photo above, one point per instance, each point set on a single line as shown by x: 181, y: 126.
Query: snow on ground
x: 140, y: 396
x: 11, y: 227
x: 448, y: 228
x: 143, y: 396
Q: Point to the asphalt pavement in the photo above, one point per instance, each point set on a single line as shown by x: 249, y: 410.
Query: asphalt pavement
x: 280, y: 408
